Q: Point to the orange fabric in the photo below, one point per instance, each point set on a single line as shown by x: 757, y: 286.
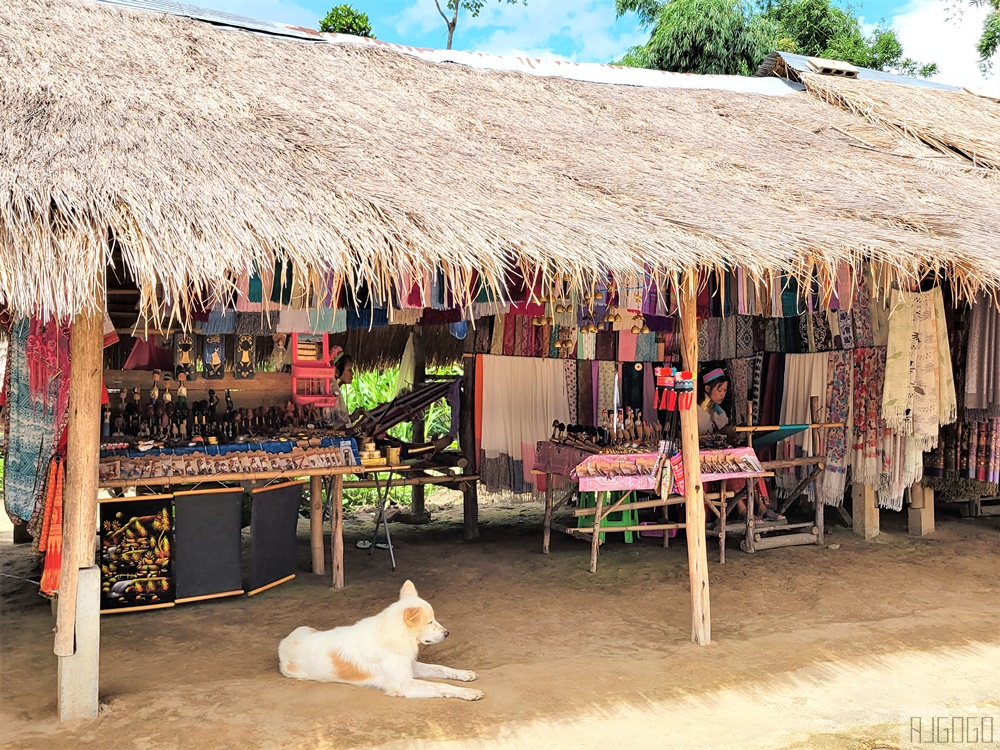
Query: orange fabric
x: 52, y: 536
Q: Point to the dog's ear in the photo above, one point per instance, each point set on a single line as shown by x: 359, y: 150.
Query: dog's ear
x: 411, y: 616
x: 408, y: 590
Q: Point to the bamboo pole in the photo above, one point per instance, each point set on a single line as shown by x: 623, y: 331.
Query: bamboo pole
x: 78, y: 629
x: 337, y: 530
x: 596, y: 541
x: 701, y: 621
x: 316, y: 525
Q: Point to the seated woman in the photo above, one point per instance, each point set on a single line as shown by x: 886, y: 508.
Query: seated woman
x: 713, y: 424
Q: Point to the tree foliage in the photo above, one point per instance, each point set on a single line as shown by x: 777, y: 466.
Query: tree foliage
x: 734, y: 36
x: 989, y: 42
x: 474, y: 7
x: 344, y: 19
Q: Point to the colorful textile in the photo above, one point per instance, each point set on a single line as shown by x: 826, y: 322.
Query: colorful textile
x: 585, y: 393
x: 515, y: 417
x: 864, y: 336
x: 51, y: 540
x: 833, y: 482
x: 37, y: 392
x: 740, y: 374
x: 645, y: 348
x: 982, y: 361
x: 744, y: 336
x: 572, y: 387
x: 220, y: 322
x: 869, y: 430
x: 727, y: 337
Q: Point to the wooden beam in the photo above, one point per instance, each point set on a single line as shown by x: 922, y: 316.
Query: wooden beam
x: 701, y: 620
x: 264, y: 389
x: 316, y: 525
x: 865, y: 511
x: 417, y: 497
x: 920, y: 515
x: 80, y: 523
x: 467, y: 441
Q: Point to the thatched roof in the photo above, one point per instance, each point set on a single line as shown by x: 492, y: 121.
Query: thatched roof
x: 203, y: 151
x: 956, y: 123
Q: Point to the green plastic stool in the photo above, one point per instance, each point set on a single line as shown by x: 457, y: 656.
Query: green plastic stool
x: 624, y: 516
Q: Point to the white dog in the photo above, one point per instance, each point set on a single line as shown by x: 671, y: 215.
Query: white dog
x: 378, y: 652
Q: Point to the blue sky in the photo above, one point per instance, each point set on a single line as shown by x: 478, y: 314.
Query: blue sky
x: 587, y: 30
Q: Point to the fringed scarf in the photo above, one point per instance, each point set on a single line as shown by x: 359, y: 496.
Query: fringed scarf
x: 833, y: 482
x: 869, y: 429
x: 919, y: 393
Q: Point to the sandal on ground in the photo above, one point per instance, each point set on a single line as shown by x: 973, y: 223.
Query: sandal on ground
x: 381, y: 545
x: 772, y: 515
x: 362, y: 544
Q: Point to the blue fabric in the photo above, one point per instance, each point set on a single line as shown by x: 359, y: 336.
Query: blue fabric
x: 377, y: 317
x: 271, y: 446
x: 220, y: 322
x: 31, y: 430
x: 771, y: 437
x: 459, y: 330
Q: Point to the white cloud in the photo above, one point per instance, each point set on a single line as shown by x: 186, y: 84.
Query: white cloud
x: 928, y: 35
x: 579, y: 30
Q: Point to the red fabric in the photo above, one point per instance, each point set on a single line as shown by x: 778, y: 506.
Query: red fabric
x: 146, y: 355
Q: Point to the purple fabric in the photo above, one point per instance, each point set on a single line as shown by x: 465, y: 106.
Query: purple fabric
x: 658, y: 323
x: 648, y: 394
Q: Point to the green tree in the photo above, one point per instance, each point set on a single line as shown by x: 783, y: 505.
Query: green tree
x: 474, y: 7
x: 734, y: 36
x: 989, y: 41
x: 343, y: 19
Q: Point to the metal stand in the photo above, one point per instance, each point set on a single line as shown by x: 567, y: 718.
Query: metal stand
x: 382, y: 494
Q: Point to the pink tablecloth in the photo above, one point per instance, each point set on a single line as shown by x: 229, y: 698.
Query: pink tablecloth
x: 553, y: 458
x: 638, y: 480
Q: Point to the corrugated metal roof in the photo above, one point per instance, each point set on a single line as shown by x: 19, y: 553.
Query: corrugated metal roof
x: 798, y: 63
x: 219, y: 18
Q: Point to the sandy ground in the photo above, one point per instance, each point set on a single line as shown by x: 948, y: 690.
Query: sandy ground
x: 813, y: 648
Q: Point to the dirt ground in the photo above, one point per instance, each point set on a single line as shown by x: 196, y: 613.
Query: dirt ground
x: 812, y: 648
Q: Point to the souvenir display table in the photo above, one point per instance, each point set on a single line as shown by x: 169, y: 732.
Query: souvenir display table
x: 603, y: 473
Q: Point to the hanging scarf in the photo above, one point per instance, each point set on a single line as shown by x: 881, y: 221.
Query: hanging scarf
x: 838, y: 399
x: 51, y: 539
x: 869, y: 428
x: 37, y: 389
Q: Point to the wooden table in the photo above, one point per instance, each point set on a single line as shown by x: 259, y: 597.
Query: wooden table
x: 335, y: 495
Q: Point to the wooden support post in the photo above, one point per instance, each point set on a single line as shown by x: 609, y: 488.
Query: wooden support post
x: 547, y: 523
x: 818, y: 447
x: 865, y: 511
x: 316, y: 525
x: 467, y: 442
x: 921, y: 512
x: 78, y: 628
x: 337, y: 530
x: 701, y: 621
x: 595, y: 542
x: 417, y: 506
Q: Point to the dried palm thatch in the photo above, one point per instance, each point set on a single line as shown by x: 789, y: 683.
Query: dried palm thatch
x: 955, y: 123
x: 204, y: 152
